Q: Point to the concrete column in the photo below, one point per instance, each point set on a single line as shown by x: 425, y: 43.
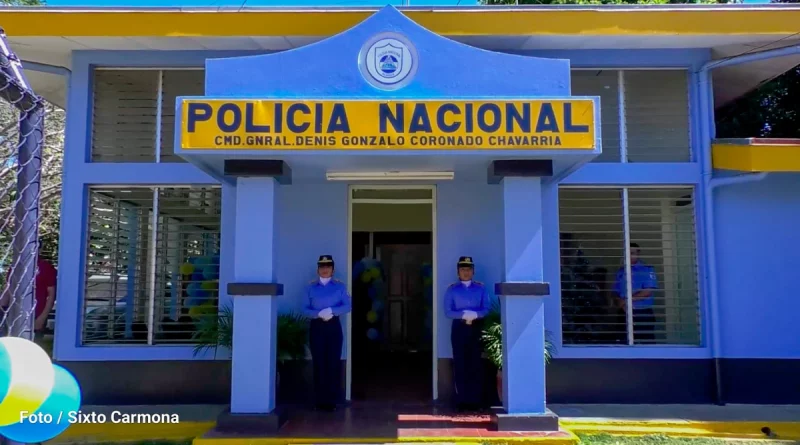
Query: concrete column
x: 523, y: 315
x: 255, y: 315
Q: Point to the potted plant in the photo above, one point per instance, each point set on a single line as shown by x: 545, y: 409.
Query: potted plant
x: 492, y: 337
x: 214, y: 332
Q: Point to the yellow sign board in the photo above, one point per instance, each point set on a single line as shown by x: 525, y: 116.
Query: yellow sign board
x: 539, y: 124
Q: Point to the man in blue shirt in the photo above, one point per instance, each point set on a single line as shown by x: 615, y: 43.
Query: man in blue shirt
x: 467, y: 303
x: 326, y: 300
x: 644, y: 283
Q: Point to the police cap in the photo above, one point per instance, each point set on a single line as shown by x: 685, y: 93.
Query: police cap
x: 465, y: 261
x: 325, y: 260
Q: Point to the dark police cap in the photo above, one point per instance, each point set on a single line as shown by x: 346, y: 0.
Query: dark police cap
x: 325, y: 260
x: 465, y: 261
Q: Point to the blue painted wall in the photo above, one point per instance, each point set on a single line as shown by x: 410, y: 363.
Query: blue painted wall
x: 758, y: 253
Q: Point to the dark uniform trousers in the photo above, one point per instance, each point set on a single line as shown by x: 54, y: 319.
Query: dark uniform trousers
x: 326, y: 354
x: 467, y: 361
x: 644, y: 325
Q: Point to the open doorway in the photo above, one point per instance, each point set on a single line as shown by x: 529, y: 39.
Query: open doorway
x: 392, y: 285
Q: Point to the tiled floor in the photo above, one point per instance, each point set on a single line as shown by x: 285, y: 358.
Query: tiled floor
x: 388, y: 421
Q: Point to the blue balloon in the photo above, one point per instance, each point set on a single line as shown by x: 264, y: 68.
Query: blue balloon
x: 377, y: 305
x: 372, y: 334
x: 204, y: 260
x: 194, y: 260
x: 377, y: 283
x: 215, y: 260
x: 372, y: 292
x: 211, y: 272
x: 196, y: 291
x: 197, y: 276
x: 63, y: 400
x: 358, y: 268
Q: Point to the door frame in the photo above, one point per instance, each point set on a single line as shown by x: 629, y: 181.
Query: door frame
x: 434, y: 245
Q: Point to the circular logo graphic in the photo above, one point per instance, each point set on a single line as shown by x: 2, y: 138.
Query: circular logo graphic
x: 38, y: 397
x: 388, y: 61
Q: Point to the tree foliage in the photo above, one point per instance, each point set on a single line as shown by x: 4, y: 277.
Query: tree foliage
x: 50, y: 184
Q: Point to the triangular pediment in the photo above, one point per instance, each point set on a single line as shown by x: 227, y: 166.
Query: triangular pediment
x: 387, y: 56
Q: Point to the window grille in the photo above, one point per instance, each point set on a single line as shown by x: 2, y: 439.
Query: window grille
x: 151, y: 280
x: 595, y: 299
x: 655, y: 124
x: 124, y: 117
x: 133, y: 118
x: 176, y: 83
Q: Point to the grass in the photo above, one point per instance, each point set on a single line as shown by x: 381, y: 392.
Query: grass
x: 606, y: 439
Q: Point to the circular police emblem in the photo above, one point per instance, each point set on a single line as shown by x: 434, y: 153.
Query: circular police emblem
x: 388, y: 61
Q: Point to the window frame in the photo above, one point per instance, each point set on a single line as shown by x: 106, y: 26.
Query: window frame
x: 625, y: 205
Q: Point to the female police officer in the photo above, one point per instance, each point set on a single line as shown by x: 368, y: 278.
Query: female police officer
x: 326, y: 300
x: 466, y: 303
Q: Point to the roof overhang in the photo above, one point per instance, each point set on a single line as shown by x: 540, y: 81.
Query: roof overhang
x: 757, y: 155
x: 50, y: 35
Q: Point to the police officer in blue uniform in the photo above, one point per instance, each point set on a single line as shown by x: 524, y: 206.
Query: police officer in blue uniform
x: 326, y: 300
x: 644, y: 283
x: 467, y: 303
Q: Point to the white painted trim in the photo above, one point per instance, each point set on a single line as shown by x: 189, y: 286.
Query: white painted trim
x: 349, y: 327
x: 434, y: 246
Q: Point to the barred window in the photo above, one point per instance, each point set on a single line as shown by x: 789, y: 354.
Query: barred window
x: 150, y: 279
x: 595, y: 295
x: 133, y: 115
x: 655, y: 124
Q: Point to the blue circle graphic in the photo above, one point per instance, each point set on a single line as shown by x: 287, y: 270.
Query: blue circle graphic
x: 5, y: 372
x: 52, y: 418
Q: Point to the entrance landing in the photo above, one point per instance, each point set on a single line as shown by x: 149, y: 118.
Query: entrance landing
x: 364, y: 422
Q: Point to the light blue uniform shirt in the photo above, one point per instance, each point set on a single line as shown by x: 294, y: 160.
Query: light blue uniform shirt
x: 459, y: 298
x: 321, y: 296
x: 644, y: 277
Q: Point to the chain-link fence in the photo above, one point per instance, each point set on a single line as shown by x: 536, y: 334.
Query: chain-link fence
x: 24, y: 307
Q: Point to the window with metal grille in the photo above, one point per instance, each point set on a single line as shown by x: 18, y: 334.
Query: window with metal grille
x: 658, y: 223
x: 152, y: 264
x: 134, y: 112
x: 654, y: 126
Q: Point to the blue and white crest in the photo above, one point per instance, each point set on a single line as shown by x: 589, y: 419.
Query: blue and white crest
x: 388, y: 61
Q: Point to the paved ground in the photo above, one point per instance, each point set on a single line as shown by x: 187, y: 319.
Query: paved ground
x: 730, y: 413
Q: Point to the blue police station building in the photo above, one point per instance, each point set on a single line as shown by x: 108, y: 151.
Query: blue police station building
x: 213, y: 155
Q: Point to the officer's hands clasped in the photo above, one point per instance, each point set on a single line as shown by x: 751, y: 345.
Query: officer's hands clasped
x: 326, y: 314
x: 469, y: 316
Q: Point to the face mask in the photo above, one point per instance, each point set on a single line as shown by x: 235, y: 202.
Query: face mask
x: 324, y: 281
x: 466, y: 283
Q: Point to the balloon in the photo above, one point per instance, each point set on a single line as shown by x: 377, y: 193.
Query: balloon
x: 196, y: 291
x: 366, y: 277
x: 375, y: 272
x: 215, y: 260
x: 372, y: 317
x: 64, y: 398
x: 372, y: 292
x: 203, y: 310
x: 372, y: 334
x: 197, y: 275
x: 194, y: 260
x: 211, y: 272
x: 377, y: 283
x: 203, y: 261
x: 377, y: 305
x: 358, y: 268
x: 28, y: 378
x: 187, y: 268
x: 210, y: 285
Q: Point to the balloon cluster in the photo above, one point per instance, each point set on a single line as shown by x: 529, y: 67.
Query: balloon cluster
x: 368, y: 271
x: 202, y: 274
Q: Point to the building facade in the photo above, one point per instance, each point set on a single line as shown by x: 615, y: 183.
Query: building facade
x: 167, y: 215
